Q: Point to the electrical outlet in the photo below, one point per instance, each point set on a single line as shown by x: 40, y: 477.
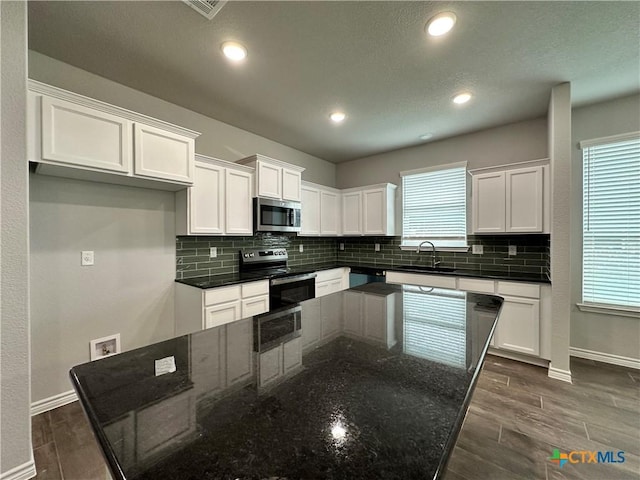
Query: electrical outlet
x: 87, y: 258
x: 477, y: 249
x: 376, y: 247
x: 301, y: 248
x: 513, y: 250
x: 341, y: 246
x: 213, y: 252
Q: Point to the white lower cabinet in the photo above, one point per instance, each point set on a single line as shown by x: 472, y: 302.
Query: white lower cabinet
x: 276, y: 364
x: 369, y: 316
x: 524, y: 323
x: 331, y: 281
x: 196, y: 309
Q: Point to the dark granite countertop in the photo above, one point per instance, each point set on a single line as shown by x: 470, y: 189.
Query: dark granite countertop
x: 380, y: 395
x: 213, y: 281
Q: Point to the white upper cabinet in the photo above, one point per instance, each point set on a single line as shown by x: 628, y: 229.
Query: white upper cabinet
x: 80, y: 136
x: 369, y: 210
x: 513, y: 200
x: 219, y: 202
x: 70, y: 135
x: 162, y: 154
x: 321, y: 212
x: 275, y: 179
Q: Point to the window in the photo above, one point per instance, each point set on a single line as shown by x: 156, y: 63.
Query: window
x: 611, y: 222
x: 435, y: 325
x: 434, y: 206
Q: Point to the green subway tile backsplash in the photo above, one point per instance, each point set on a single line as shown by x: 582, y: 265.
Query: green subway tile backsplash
x: 192, y: 253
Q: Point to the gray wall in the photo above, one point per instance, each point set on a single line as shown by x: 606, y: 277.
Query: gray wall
x: 516, y: 142
x: 610, y: 334
x: 129, y: 290
x: 560, y: 161
x: 218, y: 139
x: 15, y: 422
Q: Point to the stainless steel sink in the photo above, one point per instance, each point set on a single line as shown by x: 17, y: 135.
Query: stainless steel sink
x: 423, y: 268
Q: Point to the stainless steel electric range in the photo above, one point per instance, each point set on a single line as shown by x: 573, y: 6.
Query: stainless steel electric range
x: 285, y: 286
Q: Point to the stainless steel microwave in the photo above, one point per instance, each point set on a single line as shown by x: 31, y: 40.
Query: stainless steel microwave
x: 275, y: 215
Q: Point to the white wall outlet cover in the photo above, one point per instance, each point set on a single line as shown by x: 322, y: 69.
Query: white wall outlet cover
x: 477, y: 249
x: 341, y: 246
x: 301, y: 248
x: 105, y: 346
x: 377, y: 247
x: 213, y: 252
x: 513, y: 250
x: 87, y: 258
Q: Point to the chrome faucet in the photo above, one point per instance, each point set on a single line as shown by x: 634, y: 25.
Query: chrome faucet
x: 433, y: 252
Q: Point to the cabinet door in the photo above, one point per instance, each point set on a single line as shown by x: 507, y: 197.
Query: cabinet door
x: 221, y: 314
x: 238, y: 205
x: 239, y: 351
x: 162, y: 154
x: 291, y: 183
x: 291, y: 355
x: 255, y: 306
x: 311, y: 323
x: 206, y: 200
x: 374, y: 211
x: 310, y: 221
x: 524, y: 201
x: 270, y: 364
x: 83, y: 137
x: 331, y: 314
x: 352, y: 313
x: 488, y: 202
x: 329, y: 213
x: 352, y: 213
x: 269, y: 178
x: 518, y: 326
x: 322, y: 288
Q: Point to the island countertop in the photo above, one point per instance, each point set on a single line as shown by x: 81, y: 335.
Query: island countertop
x: 371, y: 382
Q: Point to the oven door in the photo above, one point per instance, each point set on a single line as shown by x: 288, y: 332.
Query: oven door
x: 290, y: 290
x: 276, y: 216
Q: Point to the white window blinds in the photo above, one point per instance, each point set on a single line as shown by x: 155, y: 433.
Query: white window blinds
x: 434, y: 205
x: 611, y: 221
x: 435, y: 326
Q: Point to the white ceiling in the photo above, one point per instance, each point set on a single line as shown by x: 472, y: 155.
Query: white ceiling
x: 371, y: 59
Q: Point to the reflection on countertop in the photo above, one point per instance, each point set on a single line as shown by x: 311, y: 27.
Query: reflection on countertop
x: 370, y: 382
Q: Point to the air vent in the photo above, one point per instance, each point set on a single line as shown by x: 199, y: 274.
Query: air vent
x: 206, y: 8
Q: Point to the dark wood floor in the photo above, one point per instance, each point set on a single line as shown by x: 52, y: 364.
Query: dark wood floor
x: 517, y: 417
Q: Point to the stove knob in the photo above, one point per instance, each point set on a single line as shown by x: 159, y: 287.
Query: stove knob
x: 251, y: 255
x: 246, y: 255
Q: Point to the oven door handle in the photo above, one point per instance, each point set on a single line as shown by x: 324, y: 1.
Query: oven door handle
x: 295, y: 278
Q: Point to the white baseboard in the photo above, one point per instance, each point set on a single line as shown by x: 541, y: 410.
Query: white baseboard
x: 519, y: 357
x: 605, y: 357
x: 21, y: 472
x: 559, y: 374
x: 50, y: 403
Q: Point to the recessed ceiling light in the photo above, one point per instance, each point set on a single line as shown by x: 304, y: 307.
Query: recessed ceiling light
x: 441, y: 24
x: 461, y: 98
x: 426, y: 136
x: 337, y: 117
x: 234, y: 51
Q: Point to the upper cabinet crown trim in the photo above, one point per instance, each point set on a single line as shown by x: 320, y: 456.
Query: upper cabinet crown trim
x: 59, y: 93
x: 264, y: 158
x: 495, y: 168
x: 369, y: 187
x: 320, y: 187
x: 223, y: 163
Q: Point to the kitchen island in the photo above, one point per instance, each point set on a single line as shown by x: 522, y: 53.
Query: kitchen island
x: 371, y: 382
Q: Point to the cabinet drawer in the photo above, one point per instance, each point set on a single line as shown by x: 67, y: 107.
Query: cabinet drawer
x: 519, y: 289
x: 255, y: 306
x: 217, y: 315
x: 476, y: 285
x: 325, y: 275
x: 255, y: 288
x: 214, y: 296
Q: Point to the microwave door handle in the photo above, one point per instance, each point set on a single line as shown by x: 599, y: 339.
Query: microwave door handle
x: 291, y: 217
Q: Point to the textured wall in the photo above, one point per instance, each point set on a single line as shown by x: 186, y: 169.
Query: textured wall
x: 129, y: 290
x: 218, y: 139
x: 15, y: 421
x: 608, y: 334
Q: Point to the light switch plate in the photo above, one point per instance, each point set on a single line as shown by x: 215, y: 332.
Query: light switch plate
x: 301, y: 248
x: 477, y: 249
x: 377, y: 247
x: 87, y: 258
x: 513, y: 250
x: 213, y: 252
x: 341, y: 246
